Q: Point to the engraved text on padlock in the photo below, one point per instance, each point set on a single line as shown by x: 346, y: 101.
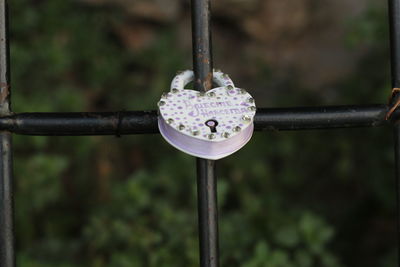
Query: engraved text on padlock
x: 208, y: 125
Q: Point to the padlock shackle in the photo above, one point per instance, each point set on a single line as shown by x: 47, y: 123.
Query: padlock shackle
x: 185, y: 77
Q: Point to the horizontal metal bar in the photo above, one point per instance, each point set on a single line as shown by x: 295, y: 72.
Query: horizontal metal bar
x: 145, y: 122
x: 306, y: 118
x: 81, y: 123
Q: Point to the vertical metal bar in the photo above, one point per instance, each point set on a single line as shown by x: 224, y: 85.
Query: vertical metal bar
x: 397, y: 162
x: 7, y: 256
x: 394, y: 21
x: 202, y: 44
x: 208, y: 213
x: 206, y: 179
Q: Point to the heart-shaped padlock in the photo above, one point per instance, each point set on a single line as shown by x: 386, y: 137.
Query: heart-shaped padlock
x: 209, y: 125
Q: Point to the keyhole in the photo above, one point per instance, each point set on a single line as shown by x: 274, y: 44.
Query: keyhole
x: 212, y: 124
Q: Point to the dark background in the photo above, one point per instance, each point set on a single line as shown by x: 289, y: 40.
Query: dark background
x: 301, y: 199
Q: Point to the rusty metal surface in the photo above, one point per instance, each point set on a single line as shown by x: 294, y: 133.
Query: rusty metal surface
x: 4, y: 61
x: 7, y: 254
x: 7, y: 257
x: 394, y: 22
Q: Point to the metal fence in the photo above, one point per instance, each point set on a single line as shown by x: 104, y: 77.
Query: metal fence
x: 145, y: 122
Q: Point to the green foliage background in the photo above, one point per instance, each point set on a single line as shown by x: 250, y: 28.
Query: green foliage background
x: 303, y: 199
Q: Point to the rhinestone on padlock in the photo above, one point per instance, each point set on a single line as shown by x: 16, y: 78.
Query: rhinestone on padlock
x: 209, y: 125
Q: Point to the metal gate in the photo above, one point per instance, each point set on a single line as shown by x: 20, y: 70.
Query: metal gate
x: 142, y: 122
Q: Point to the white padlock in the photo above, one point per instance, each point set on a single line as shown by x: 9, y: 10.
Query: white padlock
x: 210, y: 125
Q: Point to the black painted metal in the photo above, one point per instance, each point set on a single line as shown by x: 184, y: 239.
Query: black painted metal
x: 202, y: 44
x: 394, y: 22
x: 145, y: 122
x: 396, y: 133
x: 208, y: 212
x: 206, y: 178
x: 328, y: 117
x: 81, y: 123
x: 7, y: 256
x: 142, y: 122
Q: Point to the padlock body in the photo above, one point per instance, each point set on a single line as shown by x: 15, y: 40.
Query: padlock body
x: 211, y: 125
